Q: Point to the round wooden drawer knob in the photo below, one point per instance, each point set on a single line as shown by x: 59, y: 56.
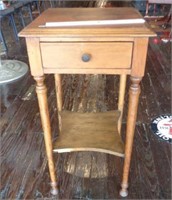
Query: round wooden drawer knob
x: 86, y: 57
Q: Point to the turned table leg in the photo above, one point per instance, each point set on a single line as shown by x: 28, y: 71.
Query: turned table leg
x: 122, y: 86
x: 58, y: 86
x: 43, y: 106
x: 58, y: 91
x: 134, y: 93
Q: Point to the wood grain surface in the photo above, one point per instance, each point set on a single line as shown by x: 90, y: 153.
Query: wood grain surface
x: 64, y: 14
x: 90, y: 132
x: 24, y: 173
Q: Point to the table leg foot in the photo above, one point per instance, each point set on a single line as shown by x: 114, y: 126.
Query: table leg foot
x: 124, y: 191
x: 54, y: 190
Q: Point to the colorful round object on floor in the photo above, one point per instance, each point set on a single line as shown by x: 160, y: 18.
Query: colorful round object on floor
x: 162, y: 127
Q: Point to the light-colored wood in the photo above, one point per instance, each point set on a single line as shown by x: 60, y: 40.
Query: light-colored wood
x: 134, y: 93
x: 88, y: 165
x: 87, y: 39
x: 114, y: 49
x: 102, y: 55
x: 86, y: 71
x: 139, y: 57
x: 79, y: 14
x: 43, y: 107
x: 33, y: 50
x: 121, y: 96
x: 90, y: 132
x: 58, y: 86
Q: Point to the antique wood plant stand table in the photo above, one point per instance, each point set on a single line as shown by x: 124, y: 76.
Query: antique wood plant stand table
x: 103, y: 49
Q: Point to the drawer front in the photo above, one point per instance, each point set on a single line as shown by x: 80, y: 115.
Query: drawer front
x: 97, y: 55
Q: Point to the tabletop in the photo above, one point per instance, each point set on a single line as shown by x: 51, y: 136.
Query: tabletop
x: 83, y: 14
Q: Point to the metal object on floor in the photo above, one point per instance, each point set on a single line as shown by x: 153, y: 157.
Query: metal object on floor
x: 18, y: 9
x: 11, y: 70
x: 8, y: 12
x: 155, y: 2
x: 28, y: 4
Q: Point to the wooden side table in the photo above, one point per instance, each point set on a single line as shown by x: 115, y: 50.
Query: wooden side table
x: 108, y: 49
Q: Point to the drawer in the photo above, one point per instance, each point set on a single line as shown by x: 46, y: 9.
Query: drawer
x: 87, y: 55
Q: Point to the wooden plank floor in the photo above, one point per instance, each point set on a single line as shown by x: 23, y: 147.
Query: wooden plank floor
x: 24, y: 173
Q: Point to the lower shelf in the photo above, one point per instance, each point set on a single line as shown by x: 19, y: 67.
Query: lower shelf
x: 90, y: 132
